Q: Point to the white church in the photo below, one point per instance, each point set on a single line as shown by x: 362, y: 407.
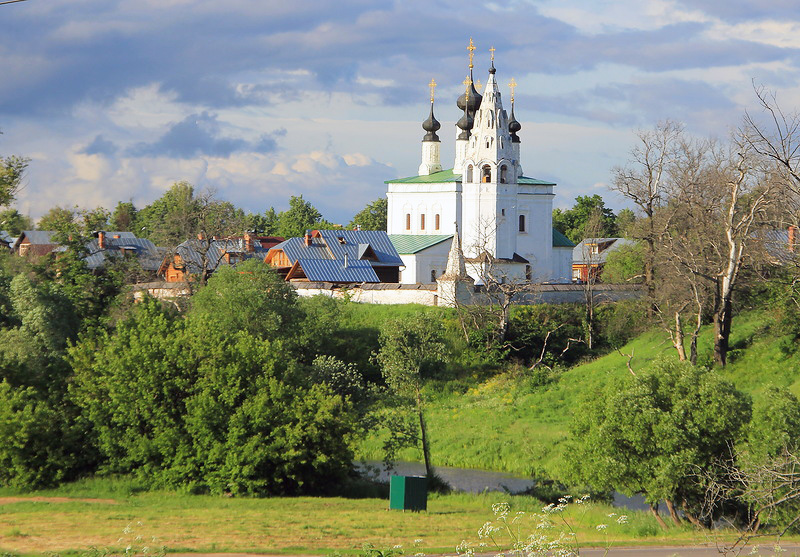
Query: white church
x: 504, y: 218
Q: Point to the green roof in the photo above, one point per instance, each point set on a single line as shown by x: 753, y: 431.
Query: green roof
x: 406, y: 244
x: 449, y: 176
x: 561, y: 241
x: 436, y: 177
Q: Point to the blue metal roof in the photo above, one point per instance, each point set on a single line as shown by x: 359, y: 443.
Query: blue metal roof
x: 335, y: 244
x: 192, y: 251
x: 328, y: 270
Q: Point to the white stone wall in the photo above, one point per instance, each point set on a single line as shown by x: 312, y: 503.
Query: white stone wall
x: 418, y: 266
x: 562, y: 264
x: 443, y: 199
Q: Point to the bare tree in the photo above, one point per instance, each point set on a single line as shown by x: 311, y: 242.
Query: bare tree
x: 643, y: 182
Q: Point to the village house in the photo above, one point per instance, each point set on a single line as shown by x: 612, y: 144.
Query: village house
x: 338, y: 257
x: 590, y: 255
x: 192, y: 257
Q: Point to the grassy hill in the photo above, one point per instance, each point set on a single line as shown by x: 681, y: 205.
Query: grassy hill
x: 512, y: 423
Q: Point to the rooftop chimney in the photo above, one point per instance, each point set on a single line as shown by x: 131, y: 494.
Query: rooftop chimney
x: 101, y: 240
x: 248, y: 242
x: 307, y: 238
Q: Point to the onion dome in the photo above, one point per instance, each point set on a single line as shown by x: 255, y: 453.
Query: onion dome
x: 492, y: 69
x: 474, y: 98
x: 465, y: 125
x: 431, y: 125
x: 514, y: 126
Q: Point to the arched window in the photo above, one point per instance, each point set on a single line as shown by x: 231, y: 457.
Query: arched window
x: 486, y: 175
x: 528, y: 273
x: 487, y: 143
x: 503, y: 170
x: 490, y: 119
x: 469, y: 173
x: 436, y: 222
x: 422, y: 221
x: 522, y: 223
x: 433, y: 275
x: 408, y: 221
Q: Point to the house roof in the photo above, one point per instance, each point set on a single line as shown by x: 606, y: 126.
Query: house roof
x: 582, y: 254
x: 118, y: 243
x: 341, y: 255
x: 333, y: 270
x: 194, y: 252
x: 413, y: 243
x: 6, y: 238
x: 776, y: 244
x: 35, y: 237
x: 445, y: 176
x: 334, y: 244
x: 561, y: 241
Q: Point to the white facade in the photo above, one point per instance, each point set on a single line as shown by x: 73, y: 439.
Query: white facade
x: 485, y: 197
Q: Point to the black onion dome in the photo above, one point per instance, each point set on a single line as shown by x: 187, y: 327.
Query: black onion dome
x: 514, y: 127
x: 492, y: 69
x: 465, y: 125
x: 474, y: 98
x: 431, y: 125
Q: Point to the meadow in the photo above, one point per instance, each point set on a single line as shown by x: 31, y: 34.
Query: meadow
x: 112, y: 514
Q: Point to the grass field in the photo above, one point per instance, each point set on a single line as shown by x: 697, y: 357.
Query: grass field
x: 114, y: 518
x: 506, y: 424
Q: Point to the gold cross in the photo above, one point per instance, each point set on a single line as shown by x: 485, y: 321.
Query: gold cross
x: 432, y: 85
x: 478, y: 84
x: 513, y: 85
x: 467, y: 82
x: 471, y: 49
x: 492, y: 51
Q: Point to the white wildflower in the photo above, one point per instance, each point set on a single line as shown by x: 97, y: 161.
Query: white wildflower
x: 601, y: 527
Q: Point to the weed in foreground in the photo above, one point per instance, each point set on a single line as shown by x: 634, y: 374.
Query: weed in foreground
x: 553, y: 531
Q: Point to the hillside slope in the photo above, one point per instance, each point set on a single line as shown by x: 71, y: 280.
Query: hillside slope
x: 508, y: 423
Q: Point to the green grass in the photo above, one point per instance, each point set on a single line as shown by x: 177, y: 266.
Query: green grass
x: 39, y: 523
x: 504, y: 423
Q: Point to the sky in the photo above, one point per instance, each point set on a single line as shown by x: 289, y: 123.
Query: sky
x: 258, y: 100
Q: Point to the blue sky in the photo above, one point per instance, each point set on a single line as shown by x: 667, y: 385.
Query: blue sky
x: 260, y: 100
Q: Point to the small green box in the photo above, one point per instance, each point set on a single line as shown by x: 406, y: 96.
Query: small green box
x: 408, y: 493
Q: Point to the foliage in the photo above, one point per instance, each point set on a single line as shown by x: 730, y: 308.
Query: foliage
x: 652, y: 433
x: 624, y: 265
x: 124, y: 217
x: 371, y: 217
x: 294, y: 222
x: 39, y: 442
x: 14, y: 222
x: 560, y: 326
x: 572, y: 222
x: 12, y: 169
x: 250, y: 297
x: 775, y: 425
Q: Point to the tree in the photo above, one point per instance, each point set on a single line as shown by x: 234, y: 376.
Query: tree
x: 643, y: 182
x: 123, y: 218
x: 572, y: 222
x: 371, y: 217
x: 12, y: 169
x: 624, y: 265
x: 411, y: 350
x: 172, y: 218
x: 14, y: 222
x: 652, y: 434
x: 300, y: 216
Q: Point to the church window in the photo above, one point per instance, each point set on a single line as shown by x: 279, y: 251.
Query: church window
x: 490, y: 119
x: 433, y: 275
x: 436, y: 221
x: 469, y: 173
x: 408, y: 221
x: 501, y: 142
x: 487, y: 142
x: 522, y: 223
x: 422, y: 222
x: 503, y: 170
x: 528, y: 273
x: 486, y: 174
x: 503, y: 212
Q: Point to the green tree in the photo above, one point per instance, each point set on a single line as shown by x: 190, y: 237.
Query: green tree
x: 14, y: 222
x: 12, y: 169
x: 300, y: 216
x: 624, y: 265
x: 172, y: 218
x: 625, y: 221
x: 411, y: 350
x: 572, y: 222
x: 654, y: 433
x: 250, y: 297
x: 372, y: 217
x: 124, y: 217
